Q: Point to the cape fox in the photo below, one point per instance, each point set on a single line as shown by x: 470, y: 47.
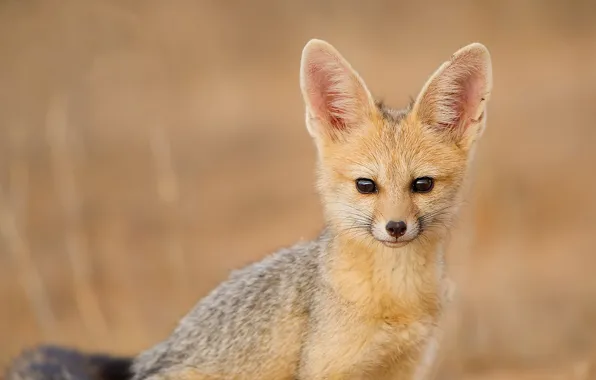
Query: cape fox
x: 363, y: 299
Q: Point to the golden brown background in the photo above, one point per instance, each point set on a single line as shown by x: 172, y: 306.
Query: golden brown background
x: 149, y: 147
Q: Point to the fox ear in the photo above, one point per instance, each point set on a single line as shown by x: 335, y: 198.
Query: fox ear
x: 336, y: 98
x: 454, y: 98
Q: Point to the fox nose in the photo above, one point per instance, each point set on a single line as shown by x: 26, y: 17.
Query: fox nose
x: 396, y: 229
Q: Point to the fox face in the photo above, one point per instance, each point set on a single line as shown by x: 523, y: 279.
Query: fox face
x: 393, y: 177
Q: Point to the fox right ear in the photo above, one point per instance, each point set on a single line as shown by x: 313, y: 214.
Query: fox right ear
x: 335, y: 96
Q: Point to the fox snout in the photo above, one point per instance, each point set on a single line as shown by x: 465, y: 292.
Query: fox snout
x: 395, y: 232
x: 395, y: 218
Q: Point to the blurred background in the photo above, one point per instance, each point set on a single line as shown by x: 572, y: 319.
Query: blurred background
x: 132, y: 134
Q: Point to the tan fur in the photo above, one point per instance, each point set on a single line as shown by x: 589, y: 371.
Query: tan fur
x: 347, y: 305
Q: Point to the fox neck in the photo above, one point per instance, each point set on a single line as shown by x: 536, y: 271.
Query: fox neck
x: 400, y: 283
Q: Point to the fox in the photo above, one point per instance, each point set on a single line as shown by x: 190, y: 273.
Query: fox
x: 362, y: 300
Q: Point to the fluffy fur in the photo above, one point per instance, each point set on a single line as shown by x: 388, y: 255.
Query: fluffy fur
x: 353, y: 303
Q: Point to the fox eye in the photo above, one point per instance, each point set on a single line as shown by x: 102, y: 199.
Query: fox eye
x: 422, y: 185
x: 366, y: 186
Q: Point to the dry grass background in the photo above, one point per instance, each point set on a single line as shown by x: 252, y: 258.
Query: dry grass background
x: 148, y: 147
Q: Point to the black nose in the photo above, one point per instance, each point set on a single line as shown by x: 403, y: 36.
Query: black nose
x: 396, y: 229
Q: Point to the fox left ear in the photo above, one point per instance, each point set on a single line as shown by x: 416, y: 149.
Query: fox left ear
x: 454, y: 98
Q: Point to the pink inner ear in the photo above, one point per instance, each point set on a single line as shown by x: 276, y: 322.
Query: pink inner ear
x: 324, y: 100
x: 337, y: 116
x: 473, y: 94
x: 463, y: 102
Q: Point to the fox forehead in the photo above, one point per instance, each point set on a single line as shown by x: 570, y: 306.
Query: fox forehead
x: 395, y: 148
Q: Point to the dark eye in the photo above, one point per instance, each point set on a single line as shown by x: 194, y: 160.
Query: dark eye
x: 366, y: 186
x: 422, y: 185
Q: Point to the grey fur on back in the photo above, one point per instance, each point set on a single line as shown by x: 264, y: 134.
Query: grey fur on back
x: 244, y: 318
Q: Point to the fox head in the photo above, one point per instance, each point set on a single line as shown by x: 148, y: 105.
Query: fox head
x: 393, y: 177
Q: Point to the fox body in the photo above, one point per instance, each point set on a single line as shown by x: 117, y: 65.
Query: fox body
x: 361, y: 301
